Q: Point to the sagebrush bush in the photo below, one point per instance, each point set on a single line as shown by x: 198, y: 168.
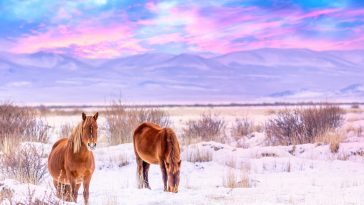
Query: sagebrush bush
x: 25, y: 165
x: 302, y: 125
x: 22, y: 123
x: 208, y: 128
x: 122, y: 121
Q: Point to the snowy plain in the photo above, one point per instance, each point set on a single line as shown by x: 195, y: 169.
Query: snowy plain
x: 304, y: 174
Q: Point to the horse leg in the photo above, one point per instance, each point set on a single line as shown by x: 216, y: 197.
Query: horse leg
x: 140, y: 177
x: 74, y: 190
x: 66, y: 192
x: 58, y: 187
x: 145, y: 174
x: 164, y: 175
x: 86, y: 187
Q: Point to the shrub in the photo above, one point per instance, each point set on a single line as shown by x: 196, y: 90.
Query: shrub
x: 355, y: 106
x: 122, y: 121
x: 21, y: 123
x: 25, y: 165
x: 300, y: 126
x: 244, y: 127
x: 208, y: 127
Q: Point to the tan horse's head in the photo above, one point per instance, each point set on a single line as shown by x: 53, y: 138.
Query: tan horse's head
x: 89, y: 131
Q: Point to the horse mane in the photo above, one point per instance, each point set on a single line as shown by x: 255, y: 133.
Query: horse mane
x: 75, y: 137
x: 172, y: 149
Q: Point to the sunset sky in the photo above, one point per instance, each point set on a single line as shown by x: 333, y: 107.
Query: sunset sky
x: 111, y: 28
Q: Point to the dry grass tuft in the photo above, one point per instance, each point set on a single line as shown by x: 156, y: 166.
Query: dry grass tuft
x: 244, y: 127
x: 197, y: 154
x: 332, y: 138
x: 357, y: 131
x: 231, y: 179
x: 111, y: 200
x: 208, y: 128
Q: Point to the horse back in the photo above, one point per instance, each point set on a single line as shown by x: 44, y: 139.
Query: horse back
x: 148, y: 140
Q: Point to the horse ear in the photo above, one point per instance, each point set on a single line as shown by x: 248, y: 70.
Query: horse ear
x: 96, y: 115
x: 83, y: 116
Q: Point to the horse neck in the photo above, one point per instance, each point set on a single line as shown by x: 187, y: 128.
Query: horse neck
x: 82, y: 154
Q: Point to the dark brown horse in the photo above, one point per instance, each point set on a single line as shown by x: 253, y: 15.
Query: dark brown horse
x: 156, y: 145
x: 71, y: 161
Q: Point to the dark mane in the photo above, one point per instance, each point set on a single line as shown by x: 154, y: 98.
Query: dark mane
x: 172, y: 148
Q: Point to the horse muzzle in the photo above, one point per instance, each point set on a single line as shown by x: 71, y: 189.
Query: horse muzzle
x: 173, y: 189
x: 91, y: 146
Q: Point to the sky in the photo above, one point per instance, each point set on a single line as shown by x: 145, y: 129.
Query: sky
x: 113, y: 28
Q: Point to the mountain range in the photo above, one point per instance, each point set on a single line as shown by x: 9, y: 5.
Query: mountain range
x: 257, y: 75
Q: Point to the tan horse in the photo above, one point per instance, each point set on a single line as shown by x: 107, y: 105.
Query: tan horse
x: 156, y: 145
x: 71, y: 161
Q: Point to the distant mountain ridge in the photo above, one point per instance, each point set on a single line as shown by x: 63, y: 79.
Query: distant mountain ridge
x: 258, y: 75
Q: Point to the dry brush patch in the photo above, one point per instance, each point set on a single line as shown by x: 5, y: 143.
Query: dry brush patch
x: 25, y: 164
x: 22, y: 124
x: 17, y: 125
x: 197, y: 154
x: 332, y: 138
x: 208, y: 127
x: 302, y: 125
x: 122, y: 121
x: 243, y: 127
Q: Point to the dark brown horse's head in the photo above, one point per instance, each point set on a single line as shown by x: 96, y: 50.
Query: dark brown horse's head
x: 173, y: 172
x: 89, y: 131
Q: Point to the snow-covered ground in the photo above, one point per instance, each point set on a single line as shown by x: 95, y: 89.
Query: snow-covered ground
x: 304, y: 174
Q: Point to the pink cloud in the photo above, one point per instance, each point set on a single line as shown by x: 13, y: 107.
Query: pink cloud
x: 84, y: 35
x: 315, y: 13
x: 199, y: 28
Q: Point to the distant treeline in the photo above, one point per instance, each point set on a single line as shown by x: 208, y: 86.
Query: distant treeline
x: 263, y: 104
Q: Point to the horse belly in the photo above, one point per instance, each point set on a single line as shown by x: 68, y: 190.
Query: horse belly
x: 149, y: 158
x: 56, y: 163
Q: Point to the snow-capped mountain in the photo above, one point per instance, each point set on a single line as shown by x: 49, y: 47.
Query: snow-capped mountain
x: 263, y: 74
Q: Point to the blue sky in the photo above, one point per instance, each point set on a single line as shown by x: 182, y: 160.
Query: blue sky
x: 112, y: 28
